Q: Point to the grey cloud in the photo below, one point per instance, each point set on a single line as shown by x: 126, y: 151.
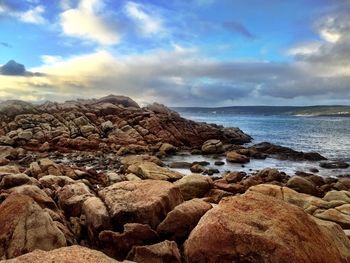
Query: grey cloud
x: 236, y: 27
x: 12, y: 68
x: 336, y: 53
x: 181, y: 79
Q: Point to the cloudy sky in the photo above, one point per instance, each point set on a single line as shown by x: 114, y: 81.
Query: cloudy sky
x: 180, y: 52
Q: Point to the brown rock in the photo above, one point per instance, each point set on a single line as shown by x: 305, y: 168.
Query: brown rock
x: 334, y: 215
x: 96, y: 217
x: 337, y: 236
x: 197, y: 168
x: 9, y: 169
x: 71, y: 198
x: 145, y: 202
x: 194, y: 186
x: 302, y: 185
x: 8, y: 152
x: 345, y: 182
x: 215, y: 195
x: 232, y: 188
x: 235, y: 157
x: 150, y: 170
x: 44, y: 147
x: 48, y: 166
x: 234, y: 177
x: 179, y: 222
x: 165, y: 251
x: 12, y: 180
x: 286, y: 153
x: 270, y: 174
x: 307, y: 202
x: 137, y: 159
x: 212, y: 146
x: 24, y: 227
x: 76, y: 254
x: 167, y: 148
x: 55, y: 182
x: 337, y: 195
x: 257, y: 228
x: 315, y: 179
x: 118, y: 245
x: 4, y: 161
x: 33, y: 191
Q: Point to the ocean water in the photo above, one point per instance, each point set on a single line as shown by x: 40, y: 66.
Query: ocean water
x: 329, y: 136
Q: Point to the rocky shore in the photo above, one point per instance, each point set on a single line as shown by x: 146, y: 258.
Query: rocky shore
x: 86, y: 181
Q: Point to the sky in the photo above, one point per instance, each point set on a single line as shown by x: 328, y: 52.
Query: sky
x: 180, y: 53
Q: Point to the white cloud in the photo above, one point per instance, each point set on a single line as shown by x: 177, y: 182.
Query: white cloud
x: 66, y: 4
x: 87, y: 22
x: 147, y: 23
x: 304, y: 49
x: 33, y: 16
x: 49, y: 60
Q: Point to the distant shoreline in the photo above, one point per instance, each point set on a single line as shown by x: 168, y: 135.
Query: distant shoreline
x: 298, y: 111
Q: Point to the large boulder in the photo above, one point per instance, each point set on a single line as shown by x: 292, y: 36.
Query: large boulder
x: 194, y: 185
x: 150, y: 170
x: 235, y: 157
x: 302, y: 185
x: 76, y: 254
x: 179, y: 223
x: 212, y: 146
x: 145, y: 202
x: 24, y: 227
x: 257, y: 228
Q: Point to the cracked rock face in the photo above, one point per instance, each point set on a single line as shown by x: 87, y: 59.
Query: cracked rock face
x: 118, y: 120
x: 24, y: 227
x: 257, y: 228
x: 145, y: 202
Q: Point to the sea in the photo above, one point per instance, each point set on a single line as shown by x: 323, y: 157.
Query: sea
x: 329, y: 136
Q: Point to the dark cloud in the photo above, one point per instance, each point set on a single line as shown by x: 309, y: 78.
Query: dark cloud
x: 12, y: 68
x: 236, y: 27
x: 4, y: 44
